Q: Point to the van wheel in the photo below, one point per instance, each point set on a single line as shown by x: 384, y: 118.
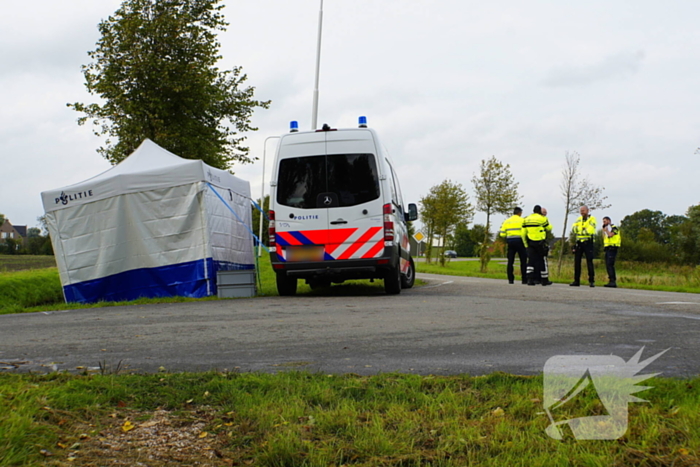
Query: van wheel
x: 408, y: 279
x: 392, y: 281
x: 286, y: 286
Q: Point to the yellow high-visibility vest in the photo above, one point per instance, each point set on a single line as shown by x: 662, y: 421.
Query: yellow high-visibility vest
x: 535, y: 228
x: 584, y: 230
x: 512, y: 228
x: 615, y: 240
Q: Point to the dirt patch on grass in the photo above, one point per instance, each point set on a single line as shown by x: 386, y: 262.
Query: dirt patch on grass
x: 159, y: 438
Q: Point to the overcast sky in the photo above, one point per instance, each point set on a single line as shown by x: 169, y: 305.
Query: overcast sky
x: 446, y: 84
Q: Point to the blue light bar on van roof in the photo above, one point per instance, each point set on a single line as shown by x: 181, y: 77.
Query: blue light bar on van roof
x: 293, y: 126
x: 363, y: 122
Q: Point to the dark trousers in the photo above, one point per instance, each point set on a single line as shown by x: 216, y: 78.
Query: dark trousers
x: 537, y: 261
x: 610, y: 256
x: 584, y: 248
x: 516, y: 246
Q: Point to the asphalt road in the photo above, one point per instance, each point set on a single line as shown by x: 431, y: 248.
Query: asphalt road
x: 452, y: 325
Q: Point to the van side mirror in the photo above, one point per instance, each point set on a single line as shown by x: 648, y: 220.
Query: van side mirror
x: 412, y: 213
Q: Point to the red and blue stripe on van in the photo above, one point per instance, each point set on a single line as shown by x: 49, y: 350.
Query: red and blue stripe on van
x: 337, y: 243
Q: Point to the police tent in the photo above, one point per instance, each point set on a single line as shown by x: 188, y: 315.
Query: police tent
x: 155, y: 225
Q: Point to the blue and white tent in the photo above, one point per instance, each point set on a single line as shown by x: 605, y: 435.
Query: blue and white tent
x: 155, y: 225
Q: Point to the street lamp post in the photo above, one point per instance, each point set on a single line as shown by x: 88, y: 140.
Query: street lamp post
x: 314, y: 112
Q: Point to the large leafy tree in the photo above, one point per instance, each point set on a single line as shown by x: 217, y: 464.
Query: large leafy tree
x: 687, y: 237
x: 155, y: 72
x: 442, y: 209
x: 496, y: 193
x: 466, y: 241
x: 651, y: 226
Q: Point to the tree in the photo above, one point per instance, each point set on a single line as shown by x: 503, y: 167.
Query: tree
x: 39, y: 246
x: 410, y: 228
x: 427, y: 212
x: 467, y: 242
x: 155, y: 70
x: 2, y: 219
x: 496, y: 193
x: 445, y: 206
x: 577, y: 191
x: 689, y: 237
x: 11, y: 246
x: 461, y: 240
x: 646, y: 223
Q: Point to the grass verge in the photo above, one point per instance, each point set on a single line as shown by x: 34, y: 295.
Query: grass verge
x: 34, y: 290
x: 26, y: 289
x: 629, y: 274
x: 303, y: 419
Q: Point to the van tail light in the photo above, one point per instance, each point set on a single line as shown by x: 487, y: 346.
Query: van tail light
x: 273, y: 241
x: 388, y: 223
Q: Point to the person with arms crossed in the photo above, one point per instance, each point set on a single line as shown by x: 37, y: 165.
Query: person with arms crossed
x: 611, y: 243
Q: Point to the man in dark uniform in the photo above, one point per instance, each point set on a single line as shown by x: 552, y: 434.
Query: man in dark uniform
x: 511, y: 230
x: 584, y: 231
x: 534, y: 234
x: 611, y: 243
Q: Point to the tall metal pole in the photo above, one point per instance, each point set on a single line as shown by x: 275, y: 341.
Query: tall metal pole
x: 314, y: 112
x: 262, y: 196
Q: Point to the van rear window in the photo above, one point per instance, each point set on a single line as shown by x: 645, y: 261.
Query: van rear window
x: 352, y: 177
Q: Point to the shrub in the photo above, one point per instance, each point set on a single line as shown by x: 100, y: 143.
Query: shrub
x: 646, y: 252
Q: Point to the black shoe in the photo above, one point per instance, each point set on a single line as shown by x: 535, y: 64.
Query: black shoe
x: 530, y: 282
x: 592, y: 284
x: 511, y: 282
x: 524, y: 282
x: 547, y: 283
x: 611, y: 284
x: 575, y: 284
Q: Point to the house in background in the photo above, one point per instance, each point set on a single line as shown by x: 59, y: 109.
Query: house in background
x: 14, y: 232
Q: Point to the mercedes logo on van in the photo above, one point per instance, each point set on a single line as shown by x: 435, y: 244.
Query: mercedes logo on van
x: 327, y: 200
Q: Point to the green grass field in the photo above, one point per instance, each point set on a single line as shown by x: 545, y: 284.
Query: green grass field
x: 9, y: 263
x: 629, y: 274
x: 302, y: 419
x: 32, y: 284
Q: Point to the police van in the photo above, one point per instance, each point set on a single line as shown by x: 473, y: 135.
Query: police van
x: 336, y: 211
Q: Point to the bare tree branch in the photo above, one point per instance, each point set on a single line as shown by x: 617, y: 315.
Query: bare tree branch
x: 576, y: 192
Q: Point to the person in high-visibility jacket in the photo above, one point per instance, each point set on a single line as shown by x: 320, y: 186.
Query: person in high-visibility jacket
x: 511, y: 230
x: 534, y: 235
x: 583, y: 233
x: 611, y: 243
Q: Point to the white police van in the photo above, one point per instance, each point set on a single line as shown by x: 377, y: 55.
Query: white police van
x: 336, y: 211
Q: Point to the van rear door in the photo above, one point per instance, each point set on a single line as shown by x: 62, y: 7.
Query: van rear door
x: 355, y: 209
x: 301, y: 221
